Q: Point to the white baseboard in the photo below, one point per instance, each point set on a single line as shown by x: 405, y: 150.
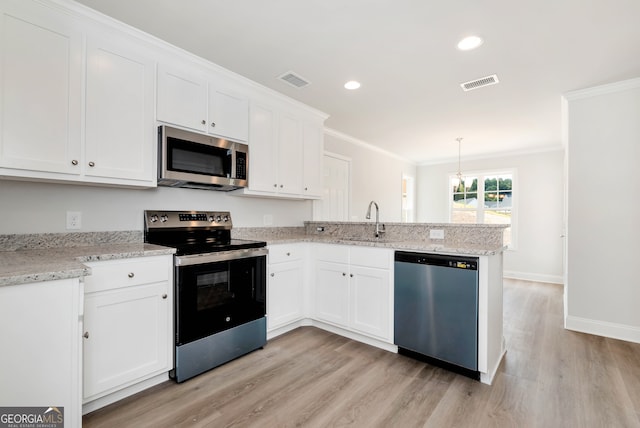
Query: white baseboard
x: 96, y: 404
x: 538, y: 277
x: 603, y: 328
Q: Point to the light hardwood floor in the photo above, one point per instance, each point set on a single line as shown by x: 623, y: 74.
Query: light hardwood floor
x: 550, y: 377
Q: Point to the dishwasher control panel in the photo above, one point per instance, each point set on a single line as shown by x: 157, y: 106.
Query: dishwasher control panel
x: 454, y: 262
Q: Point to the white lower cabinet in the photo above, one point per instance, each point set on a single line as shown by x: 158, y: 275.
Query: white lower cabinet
x: 128, y: 323
x: 285, y: 285
x: 41, y: 354
x: 353, y: 289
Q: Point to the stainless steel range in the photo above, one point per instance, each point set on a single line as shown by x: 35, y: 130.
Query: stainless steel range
x: 220, y: 288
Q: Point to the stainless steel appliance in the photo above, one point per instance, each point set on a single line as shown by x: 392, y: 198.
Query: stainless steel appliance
x: 189, y: 159
x: 220, y: 286
x: 436, y: 310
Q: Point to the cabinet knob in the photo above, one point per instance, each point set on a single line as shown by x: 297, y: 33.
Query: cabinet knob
x: 351, y: 275
x: 131, y: 275
x: 288, y: 254
x: 74, y: 162
x: 344, y: 274
x: 164, y: 296
x: 306, y: 188
x: 213, y: 124
x: 86, y: 335
x: 204, y: 122
x: 273, y: 274
x: 281, y: 186
x: 275, y: 185
x: 92, y: 164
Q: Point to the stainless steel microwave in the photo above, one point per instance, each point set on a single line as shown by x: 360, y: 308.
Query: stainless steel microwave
x: 199, y: 161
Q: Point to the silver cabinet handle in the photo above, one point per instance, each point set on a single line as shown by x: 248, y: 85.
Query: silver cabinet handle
x: 86, y: 335
x: 164, y: 296
x: 213, y: 124
x: 74, y: 162
x: 131, y: 275
x: 204, y: 122
x: 92, y: 164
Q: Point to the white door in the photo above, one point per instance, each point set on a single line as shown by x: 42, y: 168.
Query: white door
x: 334, y: 204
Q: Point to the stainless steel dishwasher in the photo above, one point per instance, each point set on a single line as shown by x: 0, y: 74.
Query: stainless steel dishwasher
x: 436, y: 310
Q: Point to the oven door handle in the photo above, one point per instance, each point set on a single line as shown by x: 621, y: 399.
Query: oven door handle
x: 222, y: 256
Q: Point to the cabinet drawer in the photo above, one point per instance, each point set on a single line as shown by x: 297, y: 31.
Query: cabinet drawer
x: 113, y: 274
x: 371, y: 257
x: 285, y: 253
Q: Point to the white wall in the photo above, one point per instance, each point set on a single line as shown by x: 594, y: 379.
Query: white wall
x: 538, y: 196
x: 41, y: 207
x: 375, y: 175
x: 603, y: 285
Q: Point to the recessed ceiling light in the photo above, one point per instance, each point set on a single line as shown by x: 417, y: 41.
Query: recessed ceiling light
x: 352, y: 84
x: 469, y: 43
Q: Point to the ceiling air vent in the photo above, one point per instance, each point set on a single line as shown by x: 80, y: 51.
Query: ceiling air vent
x: 294, y: 79
x: 479, y: 83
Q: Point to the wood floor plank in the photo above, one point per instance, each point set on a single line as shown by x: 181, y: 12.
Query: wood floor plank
x: 550, y: 377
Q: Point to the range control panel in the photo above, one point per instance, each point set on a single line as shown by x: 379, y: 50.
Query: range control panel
x: 187, y: 219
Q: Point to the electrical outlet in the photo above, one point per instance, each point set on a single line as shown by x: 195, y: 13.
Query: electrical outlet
x: 436, y: 234
x: 74, y: 220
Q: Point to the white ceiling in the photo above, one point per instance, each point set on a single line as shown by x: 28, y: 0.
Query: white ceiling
x: 404, y: 54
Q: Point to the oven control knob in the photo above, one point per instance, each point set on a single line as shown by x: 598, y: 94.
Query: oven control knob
x: 153, y: 218
x: 225, y: 218
x: 218, y: 218
x: 164, y: 218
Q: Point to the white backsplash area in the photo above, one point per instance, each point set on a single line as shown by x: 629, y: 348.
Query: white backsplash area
x: 31, y: 207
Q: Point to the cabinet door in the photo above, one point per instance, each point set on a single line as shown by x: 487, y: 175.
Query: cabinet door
x: 40, y: 364
x: 290, y: 155
x: 182, y: 98
x: 312, y: 137
x: 371, y: 301
x: 284, y: 294
x: 41, y: 78
x: 125, y: 336
x: 262, y: 149
x: 120, y: 137
x: 228, y: 114
x: 332, y: 293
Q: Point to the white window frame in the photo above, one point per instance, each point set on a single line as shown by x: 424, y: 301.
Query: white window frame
x: 480, y: 209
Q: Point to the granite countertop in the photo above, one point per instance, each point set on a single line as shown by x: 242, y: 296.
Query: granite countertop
x: 420, y: 246
x: 48, y: 264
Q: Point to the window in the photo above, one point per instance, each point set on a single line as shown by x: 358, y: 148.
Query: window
x: 484, y: 198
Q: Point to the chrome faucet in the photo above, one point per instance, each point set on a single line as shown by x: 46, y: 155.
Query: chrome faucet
x: 379, y: 227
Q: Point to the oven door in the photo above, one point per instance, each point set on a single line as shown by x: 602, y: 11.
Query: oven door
x: 214, y: 296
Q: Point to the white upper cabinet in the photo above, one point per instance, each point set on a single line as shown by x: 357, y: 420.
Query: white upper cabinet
x: 120, y: 137
x: 228, y: 113
x: 285, y: 152
x: 182, y: 98
x: 41, y: 90
x: 312, y: 137
x: 195, y: 100
x: 70, y: 114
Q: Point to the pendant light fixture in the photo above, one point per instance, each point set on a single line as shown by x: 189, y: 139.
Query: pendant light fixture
x: 459, y: 174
